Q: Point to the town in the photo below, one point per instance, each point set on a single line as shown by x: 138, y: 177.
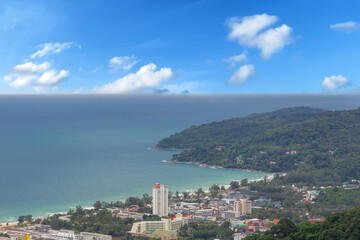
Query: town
x: 239, y: 209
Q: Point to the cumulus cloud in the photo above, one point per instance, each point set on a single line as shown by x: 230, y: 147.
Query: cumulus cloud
x: 146, y: 77
x: 335, y: 82
x: 253, y: 31
x: 36, y: 75
x: 347, y: 27
x: 52, y: 48
x: 233, y: 60
x: 243, y: 73
x: 124, y: 63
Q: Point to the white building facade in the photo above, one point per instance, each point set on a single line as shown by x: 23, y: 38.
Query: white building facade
x: 160, y: 200
x: 164, y: 225
x: 243, y: 206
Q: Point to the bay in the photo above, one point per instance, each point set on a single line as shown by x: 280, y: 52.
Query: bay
x: 59, y: 151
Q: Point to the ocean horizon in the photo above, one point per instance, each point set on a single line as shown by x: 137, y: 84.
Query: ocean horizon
x: 60, y: 151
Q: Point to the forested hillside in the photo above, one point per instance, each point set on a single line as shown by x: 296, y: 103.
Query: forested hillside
x: 237, y: 129
x: 342, y: 225
x: 318, y: 147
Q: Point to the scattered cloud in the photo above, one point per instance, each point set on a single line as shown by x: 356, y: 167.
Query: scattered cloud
x: 243, y: 73
x: 183, y: 87
x: 347, y: 27
x: 95, y: 70
x: 335, y: 82
x: 146, y: 77
x: 236, y: 59
x: 35, y: 75
x: 253, y: 31
x: 52, y: 48
x: 78, y: 91
x: 124, y: 63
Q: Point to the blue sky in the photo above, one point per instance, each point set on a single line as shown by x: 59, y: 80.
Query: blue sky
x: 172, y: 47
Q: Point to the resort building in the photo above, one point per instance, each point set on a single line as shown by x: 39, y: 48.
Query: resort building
x: 163, y: 225
x: 243, y: 206
x: 160, y: 200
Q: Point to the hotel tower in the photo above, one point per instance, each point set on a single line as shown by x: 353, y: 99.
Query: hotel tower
x: 160, y: 200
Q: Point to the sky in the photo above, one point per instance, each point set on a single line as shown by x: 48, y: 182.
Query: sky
x: 179, y: 47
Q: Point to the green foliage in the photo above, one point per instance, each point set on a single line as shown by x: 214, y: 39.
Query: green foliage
x: 206, y: 231
x: 316, y: 147
x: 4, y: 235
x: 342, y: 225
x: 86, y: 221
x: 350, y: 197
x: 235, y: 129
x: 26, y: 218
x: 234, y: 185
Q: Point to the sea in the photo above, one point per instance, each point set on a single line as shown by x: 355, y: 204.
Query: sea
x: 60, y: 151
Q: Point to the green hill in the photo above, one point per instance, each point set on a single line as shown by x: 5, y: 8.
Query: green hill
x: 237, y: 129
x: 313, y: 146
x: 342, y: 225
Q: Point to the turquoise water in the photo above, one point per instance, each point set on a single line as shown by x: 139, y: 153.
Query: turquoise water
x: 57, y: 152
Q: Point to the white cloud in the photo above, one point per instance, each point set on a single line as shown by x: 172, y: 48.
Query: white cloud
x: 146, y: 77
x: 183, y: 87
x: 347, y: 27
x: 236, y: 59
x: 124, y: 63
x: 335, y: 82
x: 38, y: 76
x: 253, y: 31
x: 243, y: 73
x: 52, y: 48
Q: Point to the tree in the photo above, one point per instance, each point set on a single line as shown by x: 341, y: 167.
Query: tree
x: 222, y: 188
x: 265, y: 179
x: 199, y: 192
x: 97, y: 205
x: 147, y: 198
x: 21, y: 219
x: 177, y: 194
x: 185, y: 194
x: 214, y: 187
x: 234, y: 185
x: 284, y: 228
x: 244, y: 182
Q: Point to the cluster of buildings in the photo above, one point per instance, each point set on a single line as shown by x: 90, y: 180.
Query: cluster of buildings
x: 40, y: 231
x: 215, y: 210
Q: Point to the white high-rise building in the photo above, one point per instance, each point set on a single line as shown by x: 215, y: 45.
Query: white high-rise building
x: 243, y: 206
x: 160, y: 200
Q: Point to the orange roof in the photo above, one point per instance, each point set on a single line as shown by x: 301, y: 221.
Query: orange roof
x: 276, y: 221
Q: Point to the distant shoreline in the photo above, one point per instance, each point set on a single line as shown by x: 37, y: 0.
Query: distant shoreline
x: 172, y: 149
x: 215, y: 166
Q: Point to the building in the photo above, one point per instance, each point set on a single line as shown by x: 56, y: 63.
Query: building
x: 164, y: 225
x: 94, y: 236
x: 243, y: 206
x: 230, y: 214
x: 63, y: 234
x: 160, y: 200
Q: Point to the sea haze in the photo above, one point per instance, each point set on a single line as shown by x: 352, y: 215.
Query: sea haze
x: 59, y: 151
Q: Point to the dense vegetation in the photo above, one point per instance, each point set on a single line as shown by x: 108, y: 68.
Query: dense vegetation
x: 338, y: 226
x: 83, y: 220
x: 315, y: 147
x: 206, y: 231
x: 235, y: 129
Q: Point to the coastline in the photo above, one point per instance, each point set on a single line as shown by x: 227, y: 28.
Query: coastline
x: 189, y: 190
x: 171, y: 149
x: 216, y: 167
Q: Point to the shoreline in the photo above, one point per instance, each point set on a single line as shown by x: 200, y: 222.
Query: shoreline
x: 191, y: 190
x: 216, y: 167
x: 171, y: 149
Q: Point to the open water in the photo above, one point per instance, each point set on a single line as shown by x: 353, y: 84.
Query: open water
x: 59, y: 151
